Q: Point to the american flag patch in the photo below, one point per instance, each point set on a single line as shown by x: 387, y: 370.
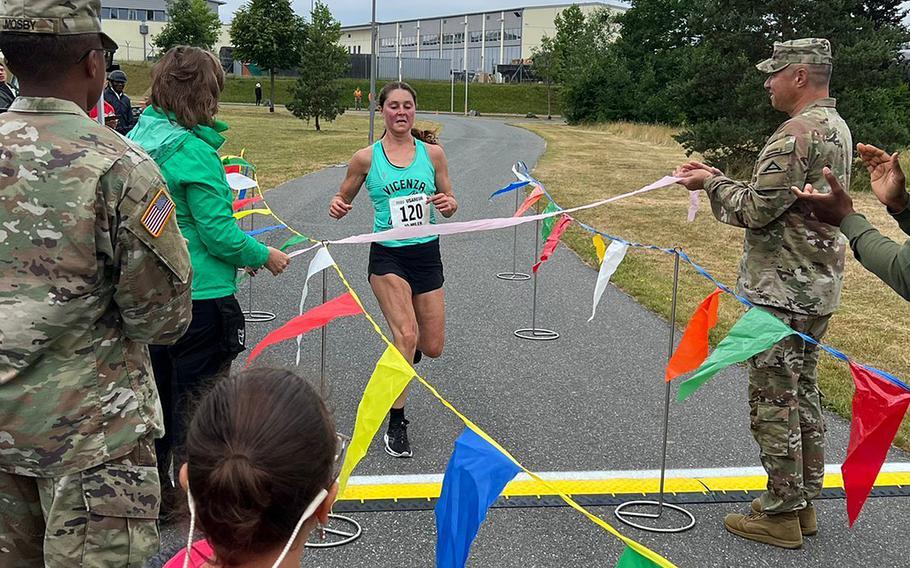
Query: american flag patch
x: 159, y: 212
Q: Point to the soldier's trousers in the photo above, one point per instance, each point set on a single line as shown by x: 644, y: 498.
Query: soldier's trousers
x: 786, y: 415
x: 105, y: 516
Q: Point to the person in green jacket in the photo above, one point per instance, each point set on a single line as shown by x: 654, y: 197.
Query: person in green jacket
x: 880, y: 255
x: 179, y: 131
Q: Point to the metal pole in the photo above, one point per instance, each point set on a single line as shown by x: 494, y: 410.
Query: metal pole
x: 466, y: 66
x: 663, y: 459
x: 534, y: 333
x: 620, y: 511
x: 322, y: 389
x: 452, y: 74
x: 372, y: 70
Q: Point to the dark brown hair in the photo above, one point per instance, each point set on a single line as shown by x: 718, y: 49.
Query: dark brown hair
x: 188, y: 82
x: 427, y: 136
x: 45, y: 57
x: 260, y: 446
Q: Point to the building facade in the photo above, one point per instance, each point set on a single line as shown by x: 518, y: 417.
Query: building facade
x: 475, y: 42
x: 134, y: 23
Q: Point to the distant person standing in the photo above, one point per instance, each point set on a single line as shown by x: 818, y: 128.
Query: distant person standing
x: 358, y: 97
x: 8, y: 93
x: 258, y: 94
x: 115, y: 96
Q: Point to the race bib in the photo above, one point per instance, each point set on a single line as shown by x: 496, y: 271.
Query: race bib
x: 409, y: 211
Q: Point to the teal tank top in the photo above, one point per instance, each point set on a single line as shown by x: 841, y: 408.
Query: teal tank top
x: 399, y: 194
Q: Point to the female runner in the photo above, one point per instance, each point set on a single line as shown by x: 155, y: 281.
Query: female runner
x: 405, y: 173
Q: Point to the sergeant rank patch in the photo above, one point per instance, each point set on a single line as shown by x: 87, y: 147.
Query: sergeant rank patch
x: 158, y: 213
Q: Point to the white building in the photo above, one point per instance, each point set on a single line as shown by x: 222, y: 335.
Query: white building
x: 498, y: 37
x: 133, y: 24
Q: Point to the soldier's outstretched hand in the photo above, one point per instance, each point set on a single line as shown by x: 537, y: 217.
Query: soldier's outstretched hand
x: 830, y: 208
x: 887, y: 177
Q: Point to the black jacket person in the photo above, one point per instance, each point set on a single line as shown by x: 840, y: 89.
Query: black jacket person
x: 115, y: 97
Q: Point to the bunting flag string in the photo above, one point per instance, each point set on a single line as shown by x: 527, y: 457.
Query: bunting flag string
x: 509, y: 188
x: 552, y: 241
x: 344, y: 305
x: 879, y: 407
x: 609, y: 262
x: 755, y: 332
x: 321, y: 260
x: 694, y: 346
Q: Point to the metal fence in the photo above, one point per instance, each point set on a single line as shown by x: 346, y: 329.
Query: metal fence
x: 412, y: 68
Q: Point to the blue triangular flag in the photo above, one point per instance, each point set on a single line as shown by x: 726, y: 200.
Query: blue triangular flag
x: 476, y: 475
x: 255, y: 232
x: 511, y: 187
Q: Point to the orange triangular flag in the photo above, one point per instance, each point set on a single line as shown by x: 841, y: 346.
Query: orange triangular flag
x: 693, y: 348
x: 530, y: 200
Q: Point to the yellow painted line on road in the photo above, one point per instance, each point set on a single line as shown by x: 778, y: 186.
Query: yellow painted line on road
x: 617, y: 486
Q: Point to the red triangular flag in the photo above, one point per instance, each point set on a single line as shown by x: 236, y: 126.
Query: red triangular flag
x: 693, y: 347
x: 553, y: 240
x: 878, y: 408
x: 530, y: 200
x: 344, y: 305
x: 241, y: 203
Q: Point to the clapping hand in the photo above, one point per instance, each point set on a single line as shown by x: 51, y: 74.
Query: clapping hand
x: 830, y: 208
x: 886, y: 176
x: 694, y: 175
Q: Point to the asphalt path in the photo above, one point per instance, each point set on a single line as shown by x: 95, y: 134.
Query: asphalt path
x: 591, y: 400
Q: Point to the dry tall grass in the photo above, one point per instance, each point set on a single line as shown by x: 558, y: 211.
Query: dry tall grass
x: 583, y: 164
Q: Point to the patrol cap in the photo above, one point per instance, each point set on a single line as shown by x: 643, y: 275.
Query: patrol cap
x: 117, y: 76
x: 54, y: 17
x: 812, y: 51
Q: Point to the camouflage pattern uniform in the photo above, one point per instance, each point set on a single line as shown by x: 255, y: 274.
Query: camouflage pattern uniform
x: 793, y: 267
x: 84, y: 285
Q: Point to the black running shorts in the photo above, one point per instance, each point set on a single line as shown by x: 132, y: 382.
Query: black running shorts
x: 419, y: 265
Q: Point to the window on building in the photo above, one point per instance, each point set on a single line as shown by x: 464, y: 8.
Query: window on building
x: 358, y: 50
x: 513, y: 34
x: 149, y: 15
x: 493, y: 36
x: 106, y: 13
x: 448, y: 39
x: 430, y: 39
x: 123, y: 14
x: 476, y: 37
x: 160, y: 16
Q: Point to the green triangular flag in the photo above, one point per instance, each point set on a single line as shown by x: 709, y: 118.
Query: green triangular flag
x: 546, y: 226
x: 632, y: 559
x: 755, y: 332
x: 294, y: 240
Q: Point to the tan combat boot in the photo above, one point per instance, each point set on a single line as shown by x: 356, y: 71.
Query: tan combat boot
x: 778, y: 530
x: 808, y: 523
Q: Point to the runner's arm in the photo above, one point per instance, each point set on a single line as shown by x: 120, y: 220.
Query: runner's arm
x: 358, y: 168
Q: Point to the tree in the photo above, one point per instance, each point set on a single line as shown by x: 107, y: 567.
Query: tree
x: 544, y: 66
x: 191, y: 23
x: 323, y: 61
x: 267, y: 33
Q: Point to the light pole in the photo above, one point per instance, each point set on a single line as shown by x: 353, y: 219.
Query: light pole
x: 465, y: 66
x: 372, y: 70
x: 144, y: 32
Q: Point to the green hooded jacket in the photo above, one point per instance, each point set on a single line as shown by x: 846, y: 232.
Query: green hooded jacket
x: 195, y: 177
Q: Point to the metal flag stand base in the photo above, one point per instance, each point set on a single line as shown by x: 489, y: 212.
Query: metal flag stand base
x: 514, y: 276
x: 343, y: 530
x: 535, y: 333
x: 250, y: 315
x: 621, y: 513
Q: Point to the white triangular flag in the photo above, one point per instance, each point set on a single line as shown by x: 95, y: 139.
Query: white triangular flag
x: 612, y: 257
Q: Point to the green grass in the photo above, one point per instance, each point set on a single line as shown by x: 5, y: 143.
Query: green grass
x: 432, y: 95
x: 583, y: 164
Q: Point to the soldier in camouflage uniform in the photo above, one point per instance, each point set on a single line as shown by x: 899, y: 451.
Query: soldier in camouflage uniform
x: 92, y: 268
x: 792, y: 267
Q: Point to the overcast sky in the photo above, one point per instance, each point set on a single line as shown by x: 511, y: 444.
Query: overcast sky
x: 351, y: 12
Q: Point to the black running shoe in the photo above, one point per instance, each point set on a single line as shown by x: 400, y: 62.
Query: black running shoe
x: 396, y: 439
x: 418, y: 355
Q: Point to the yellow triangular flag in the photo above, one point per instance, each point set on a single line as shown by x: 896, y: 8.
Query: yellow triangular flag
x: 391, y: 375
x: 600, y: 246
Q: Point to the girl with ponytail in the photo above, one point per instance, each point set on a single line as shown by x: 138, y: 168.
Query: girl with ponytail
x: 262, y: 466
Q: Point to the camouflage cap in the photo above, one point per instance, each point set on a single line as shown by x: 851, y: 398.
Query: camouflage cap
x: 814, y: 51
x: 56, y: 17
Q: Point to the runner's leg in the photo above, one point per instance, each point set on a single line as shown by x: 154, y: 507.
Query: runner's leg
x: 394, y: 296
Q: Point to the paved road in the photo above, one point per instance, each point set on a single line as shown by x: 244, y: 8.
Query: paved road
x: 590, y: 401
